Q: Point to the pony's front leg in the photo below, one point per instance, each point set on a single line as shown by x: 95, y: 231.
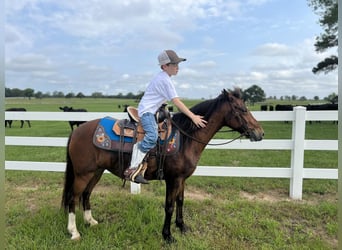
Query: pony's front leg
x: 179, y: 210
x: 169, y: 207
x: 75, y: 235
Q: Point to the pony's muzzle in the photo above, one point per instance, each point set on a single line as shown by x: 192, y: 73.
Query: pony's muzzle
x: 255, y: 135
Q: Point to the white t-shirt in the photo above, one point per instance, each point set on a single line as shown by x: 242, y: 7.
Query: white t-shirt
x: 159, y: 90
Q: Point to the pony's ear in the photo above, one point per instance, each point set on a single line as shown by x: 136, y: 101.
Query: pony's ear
x: 238, y: 93
x: 226, y: 94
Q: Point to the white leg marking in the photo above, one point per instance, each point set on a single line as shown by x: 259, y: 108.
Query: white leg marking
x: 88, y: 218
x: 75, y: 235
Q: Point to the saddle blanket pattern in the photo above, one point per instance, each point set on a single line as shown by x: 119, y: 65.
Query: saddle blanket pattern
x: 105, y: 138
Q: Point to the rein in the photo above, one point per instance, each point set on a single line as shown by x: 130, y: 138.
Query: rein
x: 202, y: 142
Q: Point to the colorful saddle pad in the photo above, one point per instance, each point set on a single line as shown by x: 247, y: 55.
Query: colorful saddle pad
x: 105, y: 138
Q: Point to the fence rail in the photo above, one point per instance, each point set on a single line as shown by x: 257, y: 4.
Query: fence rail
x: 297, y: 144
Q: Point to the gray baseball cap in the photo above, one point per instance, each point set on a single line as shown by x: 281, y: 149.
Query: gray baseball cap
x: 169, y: 56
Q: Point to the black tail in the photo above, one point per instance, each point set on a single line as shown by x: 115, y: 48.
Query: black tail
x: 68, y: 180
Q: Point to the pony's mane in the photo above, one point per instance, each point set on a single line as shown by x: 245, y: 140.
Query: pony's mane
x: 205, y: 109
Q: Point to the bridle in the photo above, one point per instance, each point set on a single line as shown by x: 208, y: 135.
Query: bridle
x: 235, y: 113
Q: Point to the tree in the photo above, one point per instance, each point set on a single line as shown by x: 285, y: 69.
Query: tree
x: 8, y: 92
x: 58, y: 94
x: 254, y: 94
x: 328, y: 12
x: 70, y: 95
x: 28, y: 93
x: 80, y: 95
x: 17, y: 92
x: 332, y: 98
x: 97, y: 94
x: 38, y: 95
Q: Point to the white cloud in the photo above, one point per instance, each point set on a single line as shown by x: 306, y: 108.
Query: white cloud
x: 207, y: 64
x: 29, y: 62
x: 125, y: 76
x: 89, y: 43
x: 273, y: 49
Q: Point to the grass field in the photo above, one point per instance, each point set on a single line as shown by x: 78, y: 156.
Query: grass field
x: 223, y: 213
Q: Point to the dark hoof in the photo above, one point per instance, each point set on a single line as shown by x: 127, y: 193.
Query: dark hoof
x: 140, y: 179
x: 184, y: 229
x: 169, y: 239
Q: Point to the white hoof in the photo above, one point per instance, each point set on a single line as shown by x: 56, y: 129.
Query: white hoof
x: 92, y: 222
x: 76, y: 236
x: 88, y: 218
x: 72, y: 229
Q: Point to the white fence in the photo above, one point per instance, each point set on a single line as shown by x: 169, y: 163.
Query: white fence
x: 298, y: 144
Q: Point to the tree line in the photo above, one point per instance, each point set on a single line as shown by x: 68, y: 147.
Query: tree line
x: 30, y: 93
x: 251, y: 95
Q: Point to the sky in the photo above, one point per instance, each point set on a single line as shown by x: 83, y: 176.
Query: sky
x: 112, y: 46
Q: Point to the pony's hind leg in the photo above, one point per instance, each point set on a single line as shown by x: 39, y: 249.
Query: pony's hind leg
x: 72, y: 228
x: 87, y: 216
x: 80, y: 183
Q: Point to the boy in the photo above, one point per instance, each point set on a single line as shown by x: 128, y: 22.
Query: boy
x: 159, y: 90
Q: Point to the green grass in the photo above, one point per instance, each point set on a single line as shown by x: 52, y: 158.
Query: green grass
x: 223, y: 213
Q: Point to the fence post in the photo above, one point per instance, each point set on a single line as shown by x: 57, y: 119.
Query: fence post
x: 135, y: 188
x: 297, y: 154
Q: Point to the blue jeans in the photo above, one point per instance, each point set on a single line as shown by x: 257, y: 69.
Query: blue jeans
x: 150, y: 126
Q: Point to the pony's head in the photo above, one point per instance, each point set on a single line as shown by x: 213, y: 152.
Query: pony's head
x: 240, y: 118
x: 228, y: 109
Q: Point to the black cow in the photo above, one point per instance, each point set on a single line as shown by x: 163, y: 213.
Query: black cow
x: 263, y: 107
x: 70, y: 109
x: 318, y: 107
x: 125, y: 107
x: 327, y: 106
x: 283, y: 107
x: 9, y: 122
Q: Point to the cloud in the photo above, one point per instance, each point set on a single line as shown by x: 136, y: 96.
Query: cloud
x: 206, y: 64
x: 88, y: 44
x: 29, y: 62
x: 273, y: 49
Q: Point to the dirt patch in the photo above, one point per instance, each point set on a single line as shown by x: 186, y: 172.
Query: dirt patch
x: 104, y: 189
x: 271, y: 196
x: 196, y: 194
x: 26, y: 188
x: 278, y: 196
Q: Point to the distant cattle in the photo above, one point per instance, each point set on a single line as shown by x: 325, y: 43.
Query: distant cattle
x: 125, y: 107
x: 318, y: 107
x: 71, y: 109
x: 283, y: 107
x: 309, y: 107
x: 326, y: 106
x: 9, y: 122
x: 263, y: 107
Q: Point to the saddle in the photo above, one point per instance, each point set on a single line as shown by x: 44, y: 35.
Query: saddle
x: 121, y: 135
x: 132, y: 128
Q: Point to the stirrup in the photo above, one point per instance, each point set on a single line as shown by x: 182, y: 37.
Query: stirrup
x: 140, y: 179
x: 136, y: 175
